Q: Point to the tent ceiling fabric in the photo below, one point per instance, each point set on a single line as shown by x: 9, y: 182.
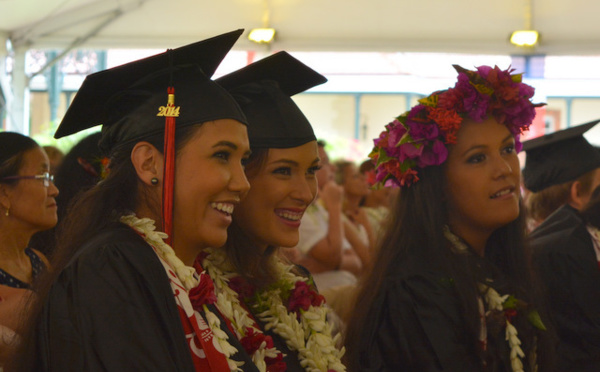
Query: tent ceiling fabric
x: 467, y: 26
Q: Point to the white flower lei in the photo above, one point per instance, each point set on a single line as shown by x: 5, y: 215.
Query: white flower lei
x: 310, y: 337
x: 186, y: 274
x: 494, y: 302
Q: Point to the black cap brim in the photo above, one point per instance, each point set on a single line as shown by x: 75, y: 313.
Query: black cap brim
x: 559, y: 157
x: 263, y: 90
x: 88, y: 109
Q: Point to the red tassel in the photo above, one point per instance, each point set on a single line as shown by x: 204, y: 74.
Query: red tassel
x: 169, y: 167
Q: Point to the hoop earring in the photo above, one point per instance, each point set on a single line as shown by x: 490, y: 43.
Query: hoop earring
x: 154, y: 181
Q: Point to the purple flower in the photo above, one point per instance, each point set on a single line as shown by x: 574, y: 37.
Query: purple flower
x: 434, y: 155
x: 475, y: 103
x: 484, y: 71
x: 396, y: 133
x: 526, y: 90
x: 422, y: 131
x: 410, y: 151
x: 520, y: 114
x: 518, y: 144
x: 415, y: 111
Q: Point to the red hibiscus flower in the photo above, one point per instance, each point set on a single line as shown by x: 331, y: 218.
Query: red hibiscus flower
x: 302, y: 297
x: 203, y: 293
x: 241, y: 287
x: 252, y: 341
x: 276, y: 364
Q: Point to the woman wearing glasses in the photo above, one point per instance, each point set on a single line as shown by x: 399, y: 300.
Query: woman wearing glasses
x: 27, y: 206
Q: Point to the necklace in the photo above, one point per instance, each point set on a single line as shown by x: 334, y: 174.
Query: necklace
x: 302, y: 323
x: 189, y: 279
x: 495, y: 302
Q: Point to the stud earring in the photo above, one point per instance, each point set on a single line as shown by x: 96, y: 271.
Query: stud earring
x: 7, y: 212
x: 154, y: 181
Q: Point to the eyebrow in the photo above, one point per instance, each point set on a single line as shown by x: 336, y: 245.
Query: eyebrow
x: 291, y: 162
x: 231, y: 145
x: 484, y: 146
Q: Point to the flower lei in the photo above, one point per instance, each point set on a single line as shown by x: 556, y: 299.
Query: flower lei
x: 418, y: 138
x: 302, y: 323
x: 506, y: 304
x: 195, y: 284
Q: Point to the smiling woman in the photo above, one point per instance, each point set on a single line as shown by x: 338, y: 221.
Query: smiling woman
x: 261, y: 294
x: 119, y: 284
x: 449, y: 289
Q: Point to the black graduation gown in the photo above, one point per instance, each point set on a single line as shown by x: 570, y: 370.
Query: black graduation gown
x: 417, y: 324
x: 566, y: 263
x: 112, y: 309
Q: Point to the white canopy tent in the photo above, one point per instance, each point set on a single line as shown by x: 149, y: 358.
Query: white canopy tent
x: 469, y: 26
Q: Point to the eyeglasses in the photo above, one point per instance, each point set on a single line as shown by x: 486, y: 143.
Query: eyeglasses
x: 46, y: 178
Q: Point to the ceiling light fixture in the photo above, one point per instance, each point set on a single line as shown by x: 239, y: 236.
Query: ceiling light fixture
x: 265, y: 34
x: 262, y: 35
x: 528, y: 37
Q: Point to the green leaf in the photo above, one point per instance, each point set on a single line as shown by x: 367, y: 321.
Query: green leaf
x: 534, y: 318
x: 510, y: 303
x: 383, y: 158
x: 408, y: 164
x: 405, y: 139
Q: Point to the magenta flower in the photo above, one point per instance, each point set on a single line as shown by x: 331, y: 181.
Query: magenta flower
x: 433, y: 155
x: 420, y: 131
x: 410, y: 151
x: 436, y: 120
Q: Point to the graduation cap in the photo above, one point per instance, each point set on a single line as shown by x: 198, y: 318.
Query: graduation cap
x: 559, y: 157
x: 136, y: 101
x: 126, y: 99
x: 263, y: 90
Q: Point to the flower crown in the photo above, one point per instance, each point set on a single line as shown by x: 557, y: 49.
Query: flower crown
x: 419, y: 137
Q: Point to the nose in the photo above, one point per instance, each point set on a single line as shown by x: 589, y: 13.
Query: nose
x: 305, y: 191
x: 502, y: 167
x: 239, y: 182
x: 52, y: 190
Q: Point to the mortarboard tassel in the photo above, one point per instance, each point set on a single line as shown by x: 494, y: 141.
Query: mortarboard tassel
x: 171, y: 113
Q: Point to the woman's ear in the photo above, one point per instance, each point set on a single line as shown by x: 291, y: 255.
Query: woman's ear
x: 576, y: 198
x: 4, y: 196
x: 148, y: 163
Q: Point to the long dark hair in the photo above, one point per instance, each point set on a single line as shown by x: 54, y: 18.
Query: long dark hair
x: 250, y: 262
x: 415, y: 232
x: 90, y: 213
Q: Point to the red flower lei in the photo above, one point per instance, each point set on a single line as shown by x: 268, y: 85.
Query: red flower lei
x: 204, y: 293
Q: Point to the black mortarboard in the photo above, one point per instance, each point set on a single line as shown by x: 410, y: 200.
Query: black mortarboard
x: 559, y: 157
x: 154, y: 96
x: 126, y: 99
x: 263, y: 90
